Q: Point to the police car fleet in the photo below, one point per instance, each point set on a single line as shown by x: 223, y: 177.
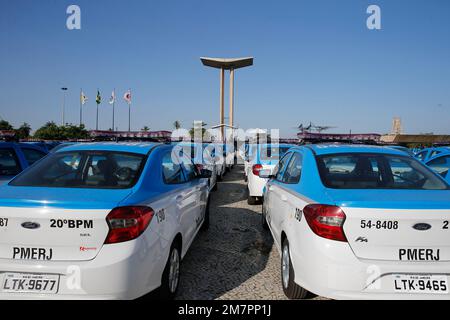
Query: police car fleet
x: 359, y: 222
x: 100, y: 221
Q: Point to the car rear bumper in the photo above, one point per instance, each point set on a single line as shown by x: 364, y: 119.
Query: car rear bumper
x: 120, y: 271
x: 330, y: 269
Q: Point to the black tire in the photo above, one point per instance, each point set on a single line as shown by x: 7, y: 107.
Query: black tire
x: 264, y: 224
x: 166, y: 291
x: 252, y: 200
x: 291, y: 289
x: 205, y: 225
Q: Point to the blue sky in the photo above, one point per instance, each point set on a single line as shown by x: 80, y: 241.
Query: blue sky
x: 314, y: 61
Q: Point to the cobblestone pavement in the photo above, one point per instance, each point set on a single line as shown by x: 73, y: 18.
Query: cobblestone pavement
x: 235, y: 258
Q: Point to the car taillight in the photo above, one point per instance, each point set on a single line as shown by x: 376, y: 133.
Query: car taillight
x: 256, y: 169
x: 326, y: 221
x: 127, y: 223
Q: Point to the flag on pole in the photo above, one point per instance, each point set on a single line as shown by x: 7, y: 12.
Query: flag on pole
x: 112, y: 99
x: 127, y: 97
x: 83, y: 98
x: 98, y: 99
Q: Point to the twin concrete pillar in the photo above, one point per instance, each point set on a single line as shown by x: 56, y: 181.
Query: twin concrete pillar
x: 222, y: 99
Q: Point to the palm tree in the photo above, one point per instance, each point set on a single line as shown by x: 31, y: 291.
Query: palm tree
x: 145, y: 129
x: 200, y: 125
x: 177, y: 124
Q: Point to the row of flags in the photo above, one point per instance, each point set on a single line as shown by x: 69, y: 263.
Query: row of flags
x: 112, y: 99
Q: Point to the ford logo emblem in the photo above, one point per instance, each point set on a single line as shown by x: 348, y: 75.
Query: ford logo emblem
x: 422, y: 226
x: 31, y: 225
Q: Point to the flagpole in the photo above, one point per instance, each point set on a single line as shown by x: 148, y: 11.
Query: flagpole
x: 114, y: 106
x: 129, y: 112
x: 96, y: 122
x: 81, y: 107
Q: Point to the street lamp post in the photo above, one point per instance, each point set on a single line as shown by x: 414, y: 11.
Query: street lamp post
x: 63, y: 122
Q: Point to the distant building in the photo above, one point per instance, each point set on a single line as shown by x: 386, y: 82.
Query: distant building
x: 312, y: 137
x: 424, y: 139
x: 151, y: 135
x: 396, y: 126
x: 7, y: 134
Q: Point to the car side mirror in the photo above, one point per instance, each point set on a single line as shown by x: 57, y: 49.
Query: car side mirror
x: 205, y: 174
x: 265, y: 173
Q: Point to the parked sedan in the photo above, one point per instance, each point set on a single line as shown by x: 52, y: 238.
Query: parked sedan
x: 261, y: 156
x: 15, y: 157
x: 203, y: 156
x: 441, y: 164
x: 359, y: 222
x: 428, y: 153
x: 100, y: 221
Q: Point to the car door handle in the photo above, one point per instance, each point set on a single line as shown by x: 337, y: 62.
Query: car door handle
x: 283, y: 198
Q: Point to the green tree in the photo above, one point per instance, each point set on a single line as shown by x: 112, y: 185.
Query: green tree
x: 49, y: 131
x: 5, y: 125
x: 23, y: 131
x: 145, y: 129
x: 200, y: 126
x: 74, y: 132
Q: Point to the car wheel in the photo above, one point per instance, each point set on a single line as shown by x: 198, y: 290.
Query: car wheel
x: 252, y: 200
x: 263, y: 220
x: 290, y: 288
x: 171, y: 274
x: 205, y: 225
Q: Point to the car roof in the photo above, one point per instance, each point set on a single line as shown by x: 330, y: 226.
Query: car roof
x: 442, y: 154
x: 132, y: 147
x: 274, y: 144
x: 6, y: 144
x: 324, y: 149
x: 32, y: 145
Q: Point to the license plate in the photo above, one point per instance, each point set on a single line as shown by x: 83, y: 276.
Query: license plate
x: 408, y: 283
x: 30, y: 283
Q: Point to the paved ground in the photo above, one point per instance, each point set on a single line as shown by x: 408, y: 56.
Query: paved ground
x: 235, y: 258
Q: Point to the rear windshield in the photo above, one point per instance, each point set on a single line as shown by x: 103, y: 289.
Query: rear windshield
x: 273, y: 151
x: 84, y: 169
x: 9, y: 164
x: 376, y: 171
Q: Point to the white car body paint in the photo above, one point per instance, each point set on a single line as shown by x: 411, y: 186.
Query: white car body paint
x: 353, y: 269
x: 124, y: 270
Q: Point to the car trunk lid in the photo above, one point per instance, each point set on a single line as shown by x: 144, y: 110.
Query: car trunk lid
x: 397, y: 225
x: 55, y: 224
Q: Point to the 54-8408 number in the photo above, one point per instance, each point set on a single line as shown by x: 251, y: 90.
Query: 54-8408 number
x: 379, y: 224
